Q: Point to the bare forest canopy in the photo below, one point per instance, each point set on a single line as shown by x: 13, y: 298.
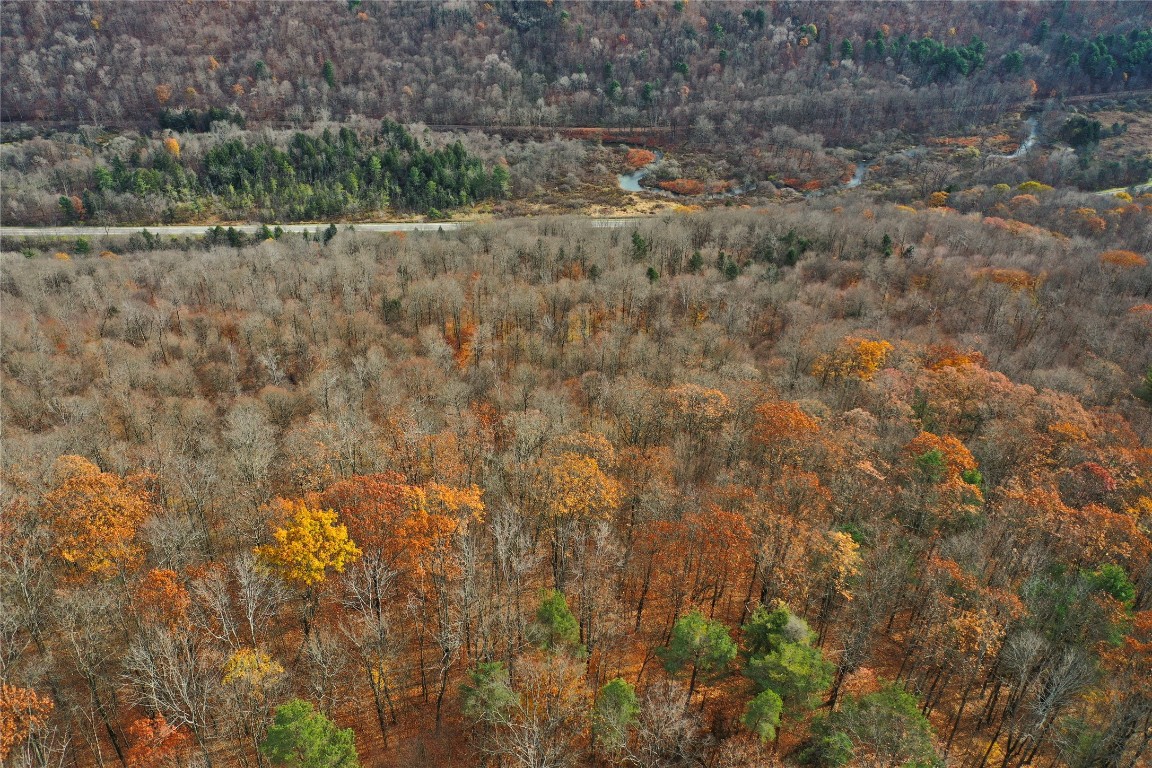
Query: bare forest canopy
x: 519, y: 489
x: 830, y: 451
x: 846, y: 70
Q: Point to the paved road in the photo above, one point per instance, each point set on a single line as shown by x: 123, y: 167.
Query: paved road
x: 199, y: 229
x: 1135, y: 189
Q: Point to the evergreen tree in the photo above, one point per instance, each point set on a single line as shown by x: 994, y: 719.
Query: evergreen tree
x: 301, y: 737
x: 555, y: 626
x: 615, y: 710
x: 762, y: 715
x: 699, y: 643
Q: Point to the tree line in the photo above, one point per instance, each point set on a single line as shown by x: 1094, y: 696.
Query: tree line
x: 314, y: 177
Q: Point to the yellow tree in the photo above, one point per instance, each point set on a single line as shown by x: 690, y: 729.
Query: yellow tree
x: 838, y: 561
x: 577, y: 493
x: 94, y: 516
x: 308, y: 542
x: 854, y: 358
x: 251, y: 679
x: 578, y: 489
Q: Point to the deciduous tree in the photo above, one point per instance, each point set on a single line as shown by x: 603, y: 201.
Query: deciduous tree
x: 94, y: 516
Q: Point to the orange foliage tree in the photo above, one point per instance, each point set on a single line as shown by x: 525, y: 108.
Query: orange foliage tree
x: 94, y: 516
x: 1130, y: 665
x: 406, y: 526
x: 638, y: 158
x: 160, y: 598
x: 153, y: 742
x: 943, y: 482
x: 1124, y: 259
x: 854, y: 358
x: 783, y: 435
x: 701, y: 560
x: 21, y: 710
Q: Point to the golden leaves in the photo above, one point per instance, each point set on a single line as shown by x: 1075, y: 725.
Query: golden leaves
x: 308, y: 544
x: 855, y: 358
x: 845, y: 560
x: 579, y: 489
x: 252, y: 668
x: 1033, y: 187
x: 938, y: 356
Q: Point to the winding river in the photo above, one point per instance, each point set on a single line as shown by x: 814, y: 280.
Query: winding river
x: 1033, y: 135
x: 630, y: 182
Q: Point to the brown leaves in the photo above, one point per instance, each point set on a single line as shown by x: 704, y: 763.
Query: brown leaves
x: 698, y: 408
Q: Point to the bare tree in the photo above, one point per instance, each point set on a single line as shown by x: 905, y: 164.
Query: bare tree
x: 171, y: 672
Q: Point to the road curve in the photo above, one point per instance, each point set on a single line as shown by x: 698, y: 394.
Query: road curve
x: 199, y: 229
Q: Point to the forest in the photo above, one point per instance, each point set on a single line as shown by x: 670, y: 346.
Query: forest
x: 769, y: 385
x: 841, y: 483
x: 390, y: 110
x: 844, y: 69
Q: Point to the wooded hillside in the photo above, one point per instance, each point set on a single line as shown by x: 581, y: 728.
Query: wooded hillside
x: 845, y: 70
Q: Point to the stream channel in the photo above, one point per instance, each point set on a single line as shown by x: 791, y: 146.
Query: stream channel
x: 630, y: 182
